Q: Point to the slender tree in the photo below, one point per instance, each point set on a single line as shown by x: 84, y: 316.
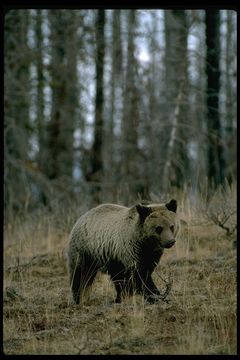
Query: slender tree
x: 64, y: 98
x: 131, y: 115
x: 115, y: 99
x: 41, y: 130
x: 58, y: 85
x: 153, y: 121
x: 176, y: 62
x: 216, y: 162
x: 96, y: 159
x: 71, y: 105
x: 230, y: 96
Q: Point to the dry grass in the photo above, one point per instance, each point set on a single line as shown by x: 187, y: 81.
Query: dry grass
x: 40, y: 319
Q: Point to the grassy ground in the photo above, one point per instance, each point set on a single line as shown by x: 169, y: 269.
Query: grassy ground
x: 40, y: 318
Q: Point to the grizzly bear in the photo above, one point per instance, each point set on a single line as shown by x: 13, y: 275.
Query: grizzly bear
x: 127, y: 243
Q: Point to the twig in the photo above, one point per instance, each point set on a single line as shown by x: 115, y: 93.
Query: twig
x: 168, y: 284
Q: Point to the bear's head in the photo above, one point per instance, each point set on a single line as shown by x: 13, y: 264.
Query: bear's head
x: 159, y: 223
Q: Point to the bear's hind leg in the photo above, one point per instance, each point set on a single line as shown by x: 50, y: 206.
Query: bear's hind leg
x: 75, y: 282
x: 81, y: 277
x: 117, y: 273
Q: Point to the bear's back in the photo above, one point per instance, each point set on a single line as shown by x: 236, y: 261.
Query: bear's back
x: 107, y: 225
x: 105, y: 215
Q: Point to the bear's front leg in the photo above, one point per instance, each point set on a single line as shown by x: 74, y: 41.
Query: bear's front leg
x: 146, y: 286
x: 151, y: 292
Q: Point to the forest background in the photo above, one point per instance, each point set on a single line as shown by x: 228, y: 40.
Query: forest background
x: 115, y: 105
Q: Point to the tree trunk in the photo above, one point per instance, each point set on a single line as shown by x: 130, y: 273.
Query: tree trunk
x: 40, y: 118
x: 230, y: 95
x: 40, y: 87
x: 131, y: 118
x: 16, y: 107
x: 58, y: 84
x: 176, y: 159
x: 95, y: 175
x: 110, y: 139
x: 216, y: 162
x: 71, y: 105
x: 64, y: 96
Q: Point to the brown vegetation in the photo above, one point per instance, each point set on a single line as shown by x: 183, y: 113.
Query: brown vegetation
x: 40, y: 317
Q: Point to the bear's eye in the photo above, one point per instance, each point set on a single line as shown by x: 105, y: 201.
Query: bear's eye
x: 172, y: 228
x: 159, y: 229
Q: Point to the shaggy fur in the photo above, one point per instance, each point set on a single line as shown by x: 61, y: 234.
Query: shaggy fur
x: 127, y: 243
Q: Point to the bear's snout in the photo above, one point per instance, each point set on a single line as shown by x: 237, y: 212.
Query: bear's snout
x: 170, y: 244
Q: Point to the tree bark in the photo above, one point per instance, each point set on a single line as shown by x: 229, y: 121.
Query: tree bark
x: 130, y: 173
x: 16, y: 107
x: 175, y: 170
x: 216, y: 162
x: 95, y: 175
x: 230, y: 95
x: 110, y: 140
x: 64, y: 95
x: 41, y: 130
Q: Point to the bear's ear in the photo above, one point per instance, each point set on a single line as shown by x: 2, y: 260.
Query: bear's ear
x: 172, y: 205
x: 143, y: 211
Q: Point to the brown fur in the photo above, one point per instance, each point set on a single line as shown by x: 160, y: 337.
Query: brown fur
x: 125, y: 242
